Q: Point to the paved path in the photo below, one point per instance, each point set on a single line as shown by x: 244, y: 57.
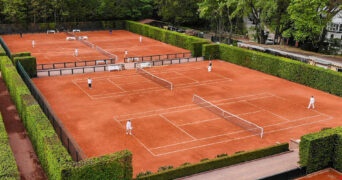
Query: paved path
x: 252, y: 170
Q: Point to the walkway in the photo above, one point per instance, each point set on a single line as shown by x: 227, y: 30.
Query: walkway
x: 252, y: 170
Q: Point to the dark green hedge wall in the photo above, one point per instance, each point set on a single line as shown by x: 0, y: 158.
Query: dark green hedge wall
x: 170, y: 37
x: 8, y: 165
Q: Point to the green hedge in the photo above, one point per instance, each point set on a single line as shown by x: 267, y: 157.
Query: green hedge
x: 194, y: 44
x: 321, y: 150
x: 218, y: 162
x: 8, y: 166
x: 29, y: 63
x: 313, y: 76
x: 4, y: 46
x: 53, y: 156
x: 211, y: 51
x: 114, y: 166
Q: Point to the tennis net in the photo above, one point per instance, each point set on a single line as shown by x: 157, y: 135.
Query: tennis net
x: 156, y: 79
x: 106, y: 53
x: 255, y: 129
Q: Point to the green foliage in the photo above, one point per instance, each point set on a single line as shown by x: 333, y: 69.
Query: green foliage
x: 29, y: 64
x: 210, y: 164
x: 222, y: 155
x: 313, y: 76
x: 13, y: 81
x: 4, y: 46
x: 141, y: 174
x: 164, y: 168
x: 8, y: 166
x: 2, y: 51
x: 337, y: 156
x: 211, y: 51
x: 321, y: 149
x: 310, y: 18
x: 53, y: 156
x: 170, y: 37
x: 177, y: 11
x: 113, y: 166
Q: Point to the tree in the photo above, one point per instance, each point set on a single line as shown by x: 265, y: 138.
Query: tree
x: 15, y: 11
x: 222, y: 14
x: 178, y: 11
x: 309, y: 19
x: 279, y: 19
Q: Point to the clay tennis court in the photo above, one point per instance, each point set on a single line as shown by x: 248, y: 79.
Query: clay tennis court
x: 54, y: 48
x: 168, y: 128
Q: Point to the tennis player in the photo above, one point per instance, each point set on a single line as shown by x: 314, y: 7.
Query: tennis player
x: 140, y: 39
x: 126, y: 53
x: 90, y: 81
x: 210, y: 66
x: 129, y: 127
x: 76, y: 52
x: 312, y: 102
x: 33, y: 43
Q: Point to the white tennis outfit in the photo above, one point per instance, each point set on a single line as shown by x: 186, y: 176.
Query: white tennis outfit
x: 311, y: 103
x: 129, y: 127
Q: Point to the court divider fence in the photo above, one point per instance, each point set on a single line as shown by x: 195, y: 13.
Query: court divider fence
x: 173, y: 61
x: 74, y: 64
x: 158, y: 57
x: 66, y: 139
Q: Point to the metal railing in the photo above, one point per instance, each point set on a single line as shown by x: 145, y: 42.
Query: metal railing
x: 74, y: 64
x: 157, y: 57
x: 70, y: 144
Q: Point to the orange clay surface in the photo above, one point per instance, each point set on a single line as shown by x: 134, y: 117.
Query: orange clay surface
x: 168, y: 128
x: 327, y: 174
x: 53, y: 48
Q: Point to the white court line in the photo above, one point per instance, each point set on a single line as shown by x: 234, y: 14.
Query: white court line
x: 224, y: 141
x: 90, y: 97
x: 142, y: 144
x: 166, y: 119
x: 202, y: 139
x: 268, y: 132
x: 291, y: 127
x: 172, y: 110
x: 112, y: 82
x: 205, y: 145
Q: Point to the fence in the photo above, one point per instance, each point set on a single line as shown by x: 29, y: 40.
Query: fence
x: 74, y: 64
x: 79, y: 70
x: 313, y: 60
x: 173, y: 61
x: 66, y: 139
x: 158, y: 57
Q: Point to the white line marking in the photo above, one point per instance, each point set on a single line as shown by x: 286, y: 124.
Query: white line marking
x: 166, y: 119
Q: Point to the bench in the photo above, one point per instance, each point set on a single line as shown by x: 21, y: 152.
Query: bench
x: 82, y: 37
x: 146, y: 64
x: 50, y: 31
x: 69, y: 38
x: 76, y: 30
x: 114, y: 67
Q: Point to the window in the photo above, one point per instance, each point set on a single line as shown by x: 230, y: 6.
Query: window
x: 333, y: 27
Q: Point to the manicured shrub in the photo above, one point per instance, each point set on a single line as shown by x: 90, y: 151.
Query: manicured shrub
x: 8, y: 166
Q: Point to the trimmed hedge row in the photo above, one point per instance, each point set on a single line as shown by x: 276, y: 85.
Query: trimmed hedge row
x: 54, y: 158
x: 321, y: 149
x: 194, y: 44
x: 29, y: 64
x: 8, y: 166
x: 4, y: 47
x: 220, y: 161
x: 313, y: 76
